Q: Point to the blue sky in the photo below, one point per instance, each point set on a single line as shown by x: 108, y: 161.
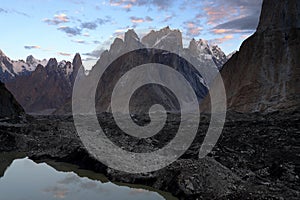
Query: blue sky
x: 61, y: 28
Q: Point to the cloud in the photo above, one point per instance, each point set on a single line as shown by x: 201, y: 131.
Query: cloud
x: 70, y: 178
x: 193, y: 29
x: 137, y: 20
x: 232, y: 16
x: 168, y: 18
x: 57, y: 19
x: 32, y: 47
x: 127, y: 4
x: 88, y: 185
x: 222, y: 39
x: 3, y: 10
x: 13, y: 11
x: 89, y: 59
x: 119, y: 33
x: 243, y: 24
x: 64, y: 54
x: 79, y: 41
x: 96, y: 53
x: 92, y: 25
x: 231, y: 31
x: 89, y: 25
x: 96, y: 42
x: 58, y: 192
x: 71, y: 31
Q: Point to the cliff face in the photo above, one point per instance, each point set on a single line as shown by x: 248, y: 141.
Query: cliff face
x: 9, y: 107
x: 282, y: 15
x: 264, y: 75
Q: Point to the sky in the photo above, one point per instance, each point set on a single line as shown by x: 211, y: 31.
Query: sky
x: 61, y: 28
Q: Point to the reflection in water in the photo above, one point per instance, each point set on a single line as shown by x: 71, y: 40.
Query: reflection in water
x: 25, y: 179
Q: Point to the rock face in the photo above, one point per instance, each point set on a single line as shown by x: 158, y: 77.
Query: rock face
x: 47, y: 88
x: 9, y: 107
x: 264, y: 75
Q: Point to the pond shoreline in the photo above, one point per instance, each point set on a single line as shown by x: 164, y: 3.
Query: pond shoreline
x: 233, y: 170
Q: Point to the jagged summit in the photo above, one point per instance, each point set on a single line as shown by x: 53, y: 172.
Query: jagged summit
x: 47, y: 87
x: 1, y: 53
x: 131, y: 35
x: 10, y: 69
x: 30, y: 59
x: 202, y: 48
x: 164, y: 38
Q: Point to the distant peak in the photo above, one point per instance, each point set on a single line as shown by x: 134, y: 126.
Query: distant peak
x: 166, y: 28
x: 193, y: 44
x: 164, y: 37
x: 131, y: 34
x: 77, y: 56
x: 30, y: 59
x: 1, y: 53
x: 77, y: 59
x: 52, y: 62
x: 77, y: 62
x: 203, y: 42
x: 117, y: 41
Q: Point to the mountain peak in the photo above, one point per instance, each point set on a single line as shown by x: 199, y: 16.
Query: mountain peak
x: 193, y: 45
x: 164, y: 38
x: 77, y: 62
x: 166, y: 28
x: 131, y: 34
x: 52, y: 65
x: 1, y: 53
x: 30, y: 59
x: 203, y: 42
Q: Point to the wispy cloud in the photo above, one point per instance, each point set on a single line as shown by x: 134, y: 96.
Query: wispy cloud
x: 32, y: 47
x: 58, y: 192
x: 192, y: 29
x: 119, y: 33
x: 222, y: 39
x: 137, y: 20
x: 244, y: 24
x: 232, y: 16
x: 89, y: 25
x: 96, y: 53
x: 13, y: 11
x: 71, y: 31
x: 79, y: 41
x: 3, y: 10
x: 96, y: 42
x: 64, y: 54
x: 168, y: 18
x: 127, y: 4
x: 57, y: 19
x: 92, y: 25
x: 78, y: 24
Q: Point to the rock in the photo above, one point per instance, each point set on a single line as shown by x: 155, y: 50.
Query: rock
x: 263, y: 76
x: 9, y: 107
x: 257, y: 156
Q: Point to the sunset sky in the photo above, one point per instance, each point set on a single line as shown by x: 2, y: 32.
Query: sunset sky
x: 60, y: 28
